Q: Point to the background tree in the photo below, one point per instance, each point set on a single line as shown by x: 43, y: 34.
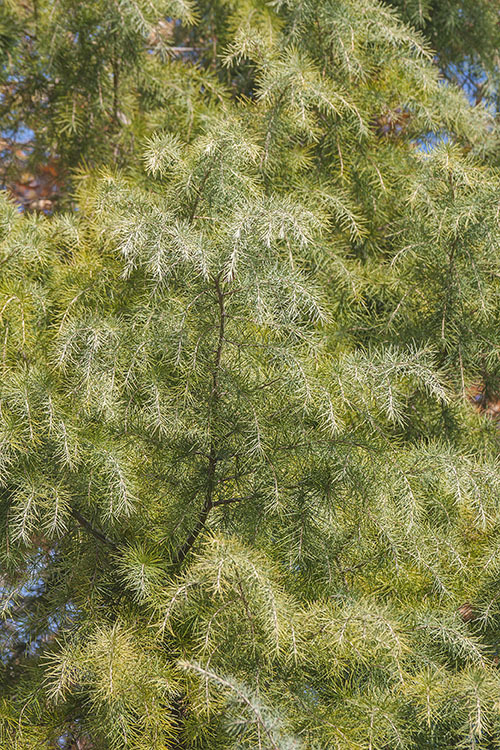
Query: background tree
x: 246, y: 501
x: 465, y: 36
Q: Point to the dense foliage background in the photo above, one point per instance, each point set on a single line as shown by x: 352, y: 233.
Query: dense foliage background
x: 249, y: 353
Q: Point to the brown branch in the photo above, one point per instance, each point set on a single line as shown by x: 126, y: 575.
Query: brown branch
x: 92, y: 530
x: 213, y: 459
x: 197, y: 199
x: 116, y: 85
x: 228, y: 501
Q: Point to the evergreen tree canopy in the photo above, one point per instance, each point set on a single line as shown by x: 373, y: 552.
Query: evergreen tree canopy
x: 466, y: 37
x: 249, y: 475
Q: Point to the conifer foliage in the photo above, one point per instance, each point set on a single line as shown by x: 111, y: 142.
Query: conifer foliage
x: 248, y: 480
